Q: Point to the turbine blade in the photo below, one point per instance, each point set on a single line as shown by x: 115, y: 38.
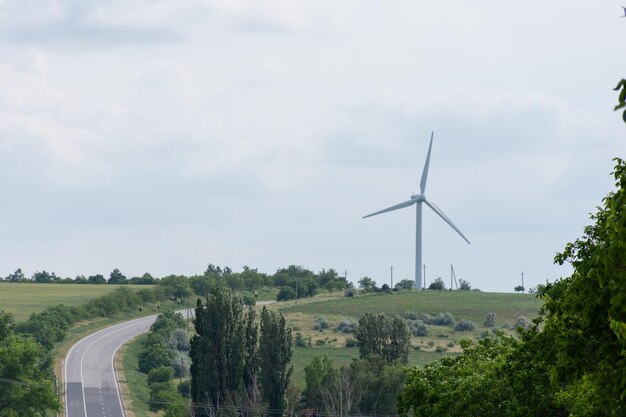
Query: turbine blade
x: 425, y: 172
x: 392, y: 208
x: 445, y: 218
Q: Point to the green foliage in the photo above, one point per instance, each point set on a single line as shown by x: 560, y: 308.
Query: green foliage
x: 519, y: 288
x: 302, y: 341
x: 405, y: 284
x: 347, y: 326
x: 153, y: 356
x: 367, y: 284
x: 285, y: 294
x: 437, y: 284
x: 26, y: 388
x: 383, y: 336
x: 275, y: 352
x: 490, y: 319
x: 116, y: 277
x: 217, y: 349
x: 320, y: 323
x: 366, y: 387
x: 622, y: 98
x: 160, y: 374
x: 464, y: 326
x: 418, y: 328
x: 464, y: 285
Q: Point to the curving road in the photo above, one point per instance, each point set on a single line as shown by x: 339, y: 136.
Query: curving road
x: 91, y: 388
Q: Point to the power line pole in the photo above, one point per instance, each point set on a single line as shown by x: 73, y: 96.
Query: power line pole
x: 523, y: 280
x: 391, y: 268
x: 345, y: 275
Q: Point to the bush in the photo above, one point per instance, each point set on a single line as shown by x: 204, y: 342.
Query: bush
x: 441, y: 349
x: 302, y: 341
x: 350, y: 292
x: 249, y: 300
x: 437, y: 284
x: 285, y: 294
x: 442, y: 319
x: 184, y: 388
x: 523, y: 322
x: 418, y: 328
x: 350, y: 342
x: 411, y: 315
x: 347, y: 326
x: 490, y: 320
x: 464, y: 326
x: 154, y: 356
x: 320, y: 342
x: 320, y: 323
x: 160, y: 374
x: 431, y: 343
x: 181, y: 364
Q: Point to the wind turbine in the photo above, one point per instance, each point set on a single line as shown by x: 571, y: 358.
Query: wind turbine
x: 418, y: 199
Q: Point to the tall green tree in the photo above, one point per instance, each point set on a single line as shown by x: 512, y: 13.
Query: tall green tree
x: 275, y: 352
x: 387, y: 337
x: 217, y: 350
x: 26, y: 387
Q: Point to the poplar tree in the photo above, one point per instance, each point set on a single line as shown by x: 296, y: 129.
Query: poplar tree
x: 275, y: 351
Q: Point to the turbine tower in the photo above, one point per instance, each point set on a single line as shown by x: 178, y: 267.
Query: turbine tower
x: 418, y: 199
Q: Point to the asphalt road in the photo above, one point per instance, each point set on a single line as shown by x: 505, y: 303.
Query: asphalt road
x: 91, y: 388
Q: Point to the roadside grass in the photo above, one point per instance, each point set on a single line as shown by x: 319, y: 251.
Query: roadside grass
x: 23, y: 299
x: 135, y: 385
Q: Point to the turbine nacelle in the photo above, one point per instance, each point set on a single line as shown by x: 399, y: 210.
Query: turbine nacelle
x: 418, y: 197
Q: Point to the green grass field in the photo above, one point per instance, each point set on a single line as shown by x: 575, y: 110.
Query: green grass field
x: 22, y: 299
x: 472, y: 305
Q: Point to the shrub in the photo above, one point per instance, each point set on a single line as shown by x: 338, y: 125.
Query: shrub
x: 320, y: 323
x: 451, y: 343
x: 285, y: 294
x: 249, y: 300
x: 523, y: 322
x: 411, y: 315
x: 490, y: 320
x: 419, y: 328
x: 160, y: 374
x: 184, y: 388
x: 440, y: 349
x: 181, y: 364
x: 347, y: 326
x: 154, y: 356
x: 464, y: 326
x: 431, y: 343
x: 437, y: 284
x: 320, y: 342
x: 350, y: 342
x: 302, y: 341
x: 350, y: 292
x: 442, y: 319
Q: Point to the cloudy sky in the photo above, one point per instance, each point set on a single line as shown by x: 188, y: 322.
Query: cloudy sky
x: 161, y: 136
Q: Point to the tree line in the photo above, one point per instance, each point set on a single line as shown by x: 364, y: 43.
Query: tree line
x: 293, y: 281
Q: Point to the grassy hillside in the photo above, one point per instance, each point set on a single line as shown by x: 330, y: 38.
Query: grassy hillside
x: 472, y: 305
x: 22, y: 299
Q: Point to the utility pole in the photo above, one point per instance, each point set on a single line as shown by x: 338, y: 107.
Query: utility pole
x: 391, y: 268
x: 345, y: 275
x: 523, y: 280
